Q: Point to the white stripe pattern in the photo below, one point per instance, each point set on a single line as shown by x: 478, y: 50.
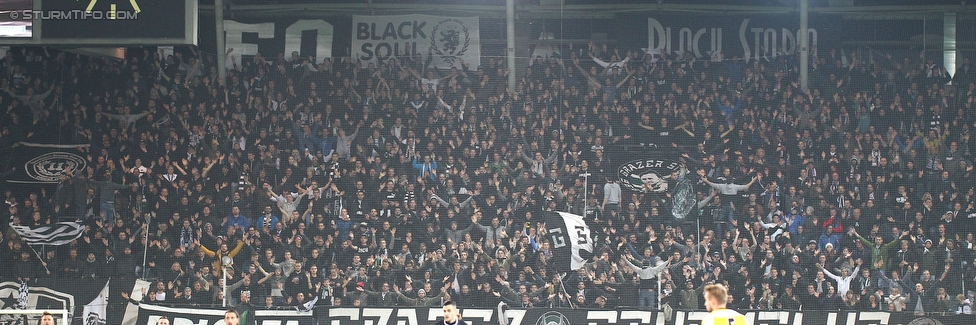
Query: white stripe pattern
x: 56, y: 234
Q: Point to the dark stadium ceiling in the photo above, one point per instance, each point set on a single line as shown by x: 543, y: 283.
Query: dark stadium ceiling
x: 777, y: 3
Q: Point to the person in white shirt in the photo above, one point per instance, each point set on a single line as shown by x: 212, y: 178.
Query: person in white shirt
x: 965, y: 306
x: 844, y: 280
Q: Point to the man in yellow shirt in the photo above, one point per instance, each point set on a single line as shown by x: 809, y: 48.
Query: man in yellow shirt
x: 716, y: 296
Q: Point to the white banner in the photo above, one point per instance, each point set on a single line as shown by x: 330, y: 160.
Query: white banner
x: 95, y: 311
x: 448, y: 40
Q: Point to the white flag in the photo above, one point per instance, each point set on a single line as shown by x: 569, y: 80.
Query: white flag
x: 94, y: 312
x: 57, y: 234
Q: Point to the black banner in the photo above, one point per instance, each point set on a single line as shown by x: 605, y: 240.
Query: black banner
x: 148, y: 315
x: 546, y: 316
x: 49, y: 293
x: 42, y: 163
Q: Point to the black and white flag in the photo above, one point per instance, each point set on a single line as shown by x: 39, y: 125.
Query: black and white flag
x: 22, y: 299
x: 95, y: 311
x: 308, y: 305
x: 571, y: 239
x: 39, y: 163
x: 55, y: 234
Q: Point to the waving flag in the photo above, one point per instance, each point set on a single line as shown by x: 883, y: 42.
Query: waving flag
x: 570, y: 238
x: 95, y: 312
x: 308, y: 305
x: 22, y: 299
x: 56, y: 234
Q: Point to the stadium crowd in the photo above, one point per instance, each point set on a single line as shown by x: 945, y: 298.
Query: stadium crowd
x: 393, y: 184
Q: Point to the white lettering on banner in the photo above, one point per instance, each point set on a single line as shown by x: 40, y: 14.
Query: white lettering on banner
x: 382, y: 313
x: 278, y: 322
x: 608, y: 316
x: 234, y: 32
x: 772, y: 317
x: 280, y: 317
x: 689, y: 318
x: 868, y: 318
x: 516, y: 316
x: 659, y: 38
x: 686, y: 39
x: 642, y: 317
x: 433, y: 313
x: 323, y: 37
x: 832, y: 319
x: 183, y: 321
x: 409, y: 314
x: 764, y: 40
x: 446, y: 41
x: 337, y: 313
x: 234, y: 38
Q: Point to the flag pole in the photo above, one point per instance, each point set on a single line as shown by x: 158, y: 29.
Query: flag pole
x: 660, y: 283
x: 145, y: 248
x: 39, y: 258
x: 563, y: 286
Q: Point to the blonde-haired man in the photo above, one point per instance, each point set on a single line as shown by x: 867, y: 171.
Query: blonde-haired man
x: 716, y: 296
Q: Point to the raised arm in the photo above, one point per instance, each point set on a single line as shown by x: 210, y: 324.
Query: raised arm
x: 443, y: 203
x: 828, y: 274
x: 704, y: 202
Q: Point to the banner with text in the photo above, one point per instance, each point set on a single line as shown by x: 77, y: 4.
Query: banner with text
x: 308, y: 37
x: 446, y: 41
x: 149, y: 314
x: 550, y: 316
x: 726, y: 37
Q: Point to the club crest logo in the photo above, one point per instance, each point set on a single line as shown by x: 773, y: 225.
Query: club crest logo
x: 925, y: 321
x: 46, y: 167
x: 553, y: 318
x: 449, y: 40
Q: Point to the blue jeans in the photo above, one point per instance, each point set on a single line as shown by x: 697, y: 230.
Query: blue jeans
x: 647, y: 298
x: 108, y: 212
x: 722, y: 221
